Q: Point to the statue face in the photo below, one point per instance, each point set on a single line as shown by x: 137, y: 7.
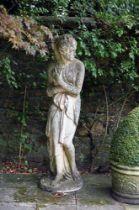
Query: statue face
x: 68, y: 52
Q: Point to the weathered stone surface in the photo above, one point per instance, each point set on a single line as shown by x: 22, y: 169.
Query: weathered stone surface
x: 96, y: 191
x: 105, y: 207
x: 24, y: 189
x: 131, y: 207
x: 7, y: 197
x: 17, y: 206
x: 58, y: 207
x: 66, y: 186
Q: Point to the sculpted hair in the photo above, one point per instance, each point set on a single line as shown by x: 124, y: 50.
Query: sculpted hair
x: 65, y: 40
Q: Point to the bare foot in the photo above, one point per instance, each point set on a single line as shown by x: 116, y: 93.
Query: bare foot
x: 57, y: 180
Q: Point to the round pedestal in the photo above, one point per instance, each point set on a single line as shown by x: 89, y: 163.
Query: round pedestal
x: 64, y: 186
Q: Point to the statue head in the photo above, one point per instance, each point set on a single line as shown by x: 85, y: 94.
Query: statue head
x: 65, y: 48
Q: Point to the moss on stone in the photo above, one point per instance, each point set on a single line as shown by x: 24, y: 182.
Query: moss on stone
x: 125, y: 142
x: 95, y: 202
x: 28, y: 194
x: 21, y: 195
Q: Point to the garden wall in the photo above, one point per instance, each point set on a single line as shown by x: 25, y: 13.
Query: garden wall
x: 23, y: 116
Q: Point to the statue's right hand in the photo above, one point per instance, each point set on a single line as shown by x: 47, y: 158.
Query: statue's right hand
x: 59, y: 78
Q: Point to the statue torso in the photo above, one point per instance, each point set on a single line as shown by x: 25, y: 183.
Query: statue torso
x: 68, y: 72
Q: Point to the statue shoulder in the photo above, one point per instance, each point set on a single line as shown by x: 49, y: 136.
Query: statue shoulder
x: 79, y: 65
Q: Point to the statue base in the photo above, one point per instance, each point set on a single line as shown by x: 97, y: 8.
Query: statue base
x: 65, y: 186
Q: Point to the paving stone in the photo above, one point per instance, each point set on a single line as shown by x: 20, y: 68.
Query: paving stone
x: 131, y: 207
x: 17, y: 206
x: 105, y: 207
x: 25, y: 189
x: 96, y: 191
x: 57, y: 207
x: 6, y: 195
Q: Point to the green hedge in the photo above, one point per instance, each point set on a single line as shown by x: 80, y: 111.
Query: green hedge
x: 125, y: 143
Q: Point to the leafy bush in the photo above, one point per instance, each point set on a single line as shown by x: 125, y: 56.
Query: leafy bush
x: 125, y: 143
x: 110, y: 52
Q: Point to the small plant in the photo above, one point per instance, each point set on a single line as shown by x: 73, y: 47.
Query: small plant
x: 7, y: 72
x: 23, y: 135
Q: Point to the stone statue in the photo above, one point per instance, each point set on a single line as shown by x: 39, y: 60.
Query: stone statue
x: 65, y: 77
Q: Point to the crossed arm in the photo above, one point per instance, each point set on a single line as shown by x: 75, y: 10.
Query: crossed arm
x: 67, y: 88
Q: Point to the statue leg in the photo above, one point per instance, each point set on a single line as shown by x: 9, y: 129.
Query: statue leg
x: 70, y: 153
x: 59, y: 163
x: 58, y: 155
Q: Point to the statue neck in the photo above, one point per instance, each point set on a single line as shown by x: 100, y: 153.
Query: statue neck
x: 63, y: 63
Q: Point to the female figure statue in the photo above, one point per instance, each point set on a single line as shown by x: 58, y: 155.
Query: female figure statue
x: 65, y: 77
